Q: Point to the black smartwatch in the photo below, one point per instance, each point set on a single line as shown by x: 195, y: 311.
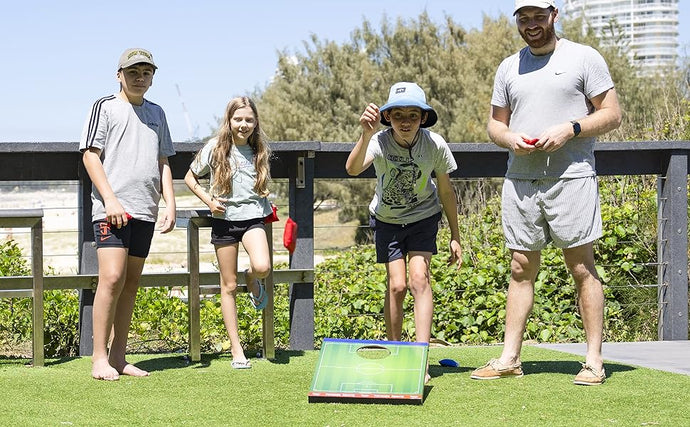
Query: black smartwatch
x: 576, y: 127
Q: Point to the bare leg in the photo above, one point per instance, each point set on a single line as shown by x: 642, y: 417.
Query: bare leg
x: 227, y: 263
x: 420, y: 287
x: 255, y: 243
x: 123, y: 319
x: 523, y: 268
x: 395, y: 296
x: 111, y: 277
x: 580, y: 262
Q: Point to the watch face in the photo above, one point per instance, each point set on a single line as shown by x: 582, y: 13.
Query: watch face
x: 576, y: 128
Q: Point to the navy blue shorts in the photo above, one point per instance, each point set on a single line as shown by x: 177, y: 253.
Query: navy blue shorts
x: 135, y: 236
x: 225, y: 233
x: 394, y: 241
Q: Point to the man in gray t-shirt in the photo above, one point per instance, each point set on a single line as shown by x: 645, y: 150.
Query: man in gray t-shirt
x: 549, y: 102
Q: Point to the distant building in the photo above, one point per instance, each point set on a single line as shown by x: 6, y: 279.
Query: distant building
x: 650, y: 27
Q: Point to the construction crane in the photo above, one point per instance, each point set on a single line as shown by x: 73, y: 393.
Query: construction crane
x: 193, y: 130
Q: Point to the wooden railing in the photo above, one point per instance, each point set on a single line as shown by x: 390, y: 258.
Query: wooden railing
x: 303, y: 162
x: 194, y: 280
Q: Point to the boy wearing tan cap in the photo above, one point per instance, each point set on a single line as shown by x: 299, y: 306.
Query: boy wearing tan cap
x: 125, y: 144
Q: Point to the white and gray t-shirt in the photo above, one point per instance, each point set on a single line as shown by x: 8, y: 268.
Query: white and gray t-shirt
x: 243, y: 203
x: 542, y: 91
x: 132, y: 140
x: 405, y: 192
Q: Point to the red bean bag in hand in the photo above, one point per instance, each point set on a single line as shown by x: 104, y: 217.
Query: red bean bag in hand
x: 273, y: 216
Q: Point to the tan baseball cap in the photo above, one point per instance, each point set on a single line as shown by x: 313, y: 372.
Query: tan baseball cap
x: 544, y: 4
x: 133, y: 56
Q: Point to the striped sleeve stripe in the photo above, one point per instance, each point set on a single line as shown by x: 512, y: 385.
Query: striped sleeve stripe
x: 93, y: 120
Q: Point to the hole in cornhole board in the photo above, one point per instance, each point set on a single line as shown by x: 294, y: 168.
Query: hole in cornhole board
x: 373, y: 352
x: 367, y: 371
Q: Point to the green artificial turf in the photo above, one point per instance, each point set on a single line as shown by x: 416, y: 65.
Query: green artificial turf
x: 274, y: 393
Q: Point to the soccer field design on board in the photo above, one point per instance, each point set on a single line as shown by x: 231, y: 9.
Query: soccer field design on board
x: 367, y: 370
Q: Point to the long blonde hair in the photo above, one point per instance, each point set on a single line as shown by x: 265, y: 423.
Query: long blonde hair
x: 222, y: 169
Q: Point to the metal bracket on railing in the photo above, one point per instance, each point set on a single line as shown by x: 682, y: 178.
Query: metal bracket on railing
x: 300, y: 172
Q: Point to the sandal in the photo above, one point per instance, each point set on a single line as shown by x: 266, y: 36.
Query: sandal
x: 236, y: 364
x: 258, y: 301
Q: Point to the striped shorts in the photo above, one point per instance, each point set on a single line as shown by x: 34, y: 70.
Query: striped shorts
x: 536, y: 212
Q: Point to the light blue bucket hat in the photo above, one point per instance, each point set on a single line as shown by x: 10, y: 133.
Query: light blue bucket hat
x: 406, y: 94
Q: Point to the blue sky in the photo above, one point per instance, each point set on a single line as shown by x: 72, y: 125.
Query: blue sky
x: 60, y: 56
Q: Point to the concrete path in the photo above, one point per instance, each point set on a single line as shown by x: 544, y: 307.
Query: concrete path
x: 671, y: 356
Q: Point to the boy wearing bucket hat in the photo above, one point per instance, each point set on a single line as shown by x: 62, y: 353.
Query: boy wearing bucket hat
x: 125, y: 144
x: 407, y: 204
x: 550, y: 101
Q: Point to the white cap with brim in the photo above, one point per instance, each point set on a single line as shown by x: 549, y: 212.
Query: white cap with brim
x: 406, y: 94
x: 543, y: 4
x: 135, y: 56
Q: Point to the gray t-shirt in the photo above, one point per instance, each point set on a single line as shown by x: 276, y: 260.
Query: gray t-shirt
x: 405, y: 192
x: 243, y: 203
x: 542, y: 91
x: 132, y: 140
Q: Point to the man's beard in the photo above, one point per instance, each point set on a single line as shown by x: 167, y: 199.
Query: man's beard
x: 547, y: 35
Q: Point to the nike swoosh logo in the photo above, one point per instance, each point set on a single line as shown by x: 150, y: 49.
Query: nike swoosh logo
x: 104, y: 238
x: 558, y: 73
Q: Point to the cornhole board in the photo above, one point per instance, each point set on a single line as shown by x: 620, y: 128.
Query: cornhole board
x: 368, y: 371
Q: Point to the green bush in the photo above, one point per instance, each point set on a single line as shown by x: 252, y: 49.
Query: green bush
x: 11, y: 261
x: 470, y: 303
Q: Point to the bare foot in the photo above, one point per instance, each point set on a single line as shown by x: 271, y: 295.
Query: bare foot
x: 427, y: 378
x: 101, y: 370
x: 133, y: 371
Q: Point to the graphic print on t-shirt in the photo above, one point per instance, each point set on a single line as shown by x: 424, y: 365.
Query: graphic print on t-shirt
x: 399, y: 192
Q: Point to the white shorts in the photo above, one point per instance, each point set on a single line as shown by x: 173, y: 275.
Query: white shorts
x: 539, y: 211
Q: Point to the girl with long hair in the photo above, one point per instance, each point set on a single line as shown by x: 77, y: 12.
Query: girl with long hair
x: 237, y: 161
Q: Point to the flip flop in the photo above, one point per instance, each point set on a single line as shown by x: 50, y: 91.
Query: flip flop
x: 236, y: 364
x: 259, y: 302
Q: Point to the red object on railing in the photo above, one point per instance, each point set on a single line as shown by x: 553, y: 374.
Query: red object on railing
x: 290, y: 235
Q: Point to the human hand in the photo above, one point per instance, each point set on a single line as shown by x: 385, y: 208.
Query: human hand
x: 523, y: 144
x: 555, y: 137
x: 217, y: 205
x: 115, y: 214
x: 455, y: 253
x: 370, y: 118
x: 167, y: 222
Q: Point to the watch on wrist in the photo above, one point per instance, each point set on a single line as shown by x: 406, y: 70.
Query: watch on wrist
x: 576, y: 128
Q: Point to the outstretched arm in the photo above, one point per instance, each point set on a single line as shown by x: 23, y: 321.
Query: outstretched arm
x: 358, y: 161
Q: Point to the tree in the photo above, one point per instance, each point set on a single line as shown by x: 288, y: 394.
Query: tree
x: 320, y: 92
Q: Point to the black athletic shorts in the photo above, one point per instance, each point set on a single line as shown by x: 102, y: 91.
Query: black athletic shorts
x: 225, y: 233
x: 394, y: 241
x: 135, y: 236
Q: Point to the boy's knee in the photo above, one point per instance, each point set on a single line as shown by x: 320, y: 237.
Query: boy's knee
x: 113, y: 280
x: 419, y: 286
x: 397, y: 287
